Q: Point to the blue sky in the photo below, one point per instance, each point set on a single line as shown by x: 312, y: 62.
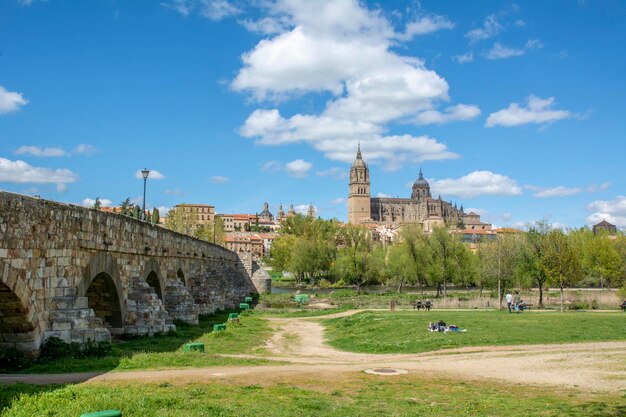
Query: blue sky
x: 515, y: 110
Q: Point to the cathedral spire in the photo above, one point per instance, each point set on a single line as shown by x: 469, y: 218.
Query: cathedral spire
x: 421, y: 177
x: 358, y: 151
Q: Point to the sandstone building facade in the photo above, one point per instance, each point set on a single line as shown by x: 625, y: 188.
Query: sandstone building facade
x: 421, y: 208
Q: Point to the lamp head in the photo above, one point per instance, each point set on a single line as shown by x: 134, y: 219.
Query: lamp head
x: 145, y: 172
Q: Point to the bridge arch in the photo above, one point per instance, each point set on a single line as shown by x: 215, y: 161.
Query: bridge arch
x: 102, y: 286
x: 153, y: 277
x: 19, y: 327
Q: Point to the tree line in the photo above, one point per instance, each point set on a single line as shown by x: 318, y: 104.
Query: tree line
x: 128, y: 209
x: 318, y: 251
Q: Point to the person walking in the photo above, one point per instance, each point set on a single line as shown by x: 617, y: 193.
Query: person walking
x: 516, y: 302
x: 509, y: 300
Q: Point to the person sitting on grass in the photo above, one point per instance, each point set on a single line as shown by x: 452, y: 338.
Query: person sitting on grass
x: 455, y: 328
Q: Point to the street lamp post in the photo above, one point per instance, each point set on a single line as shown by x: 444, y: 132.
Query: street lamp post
x: 144, y: 173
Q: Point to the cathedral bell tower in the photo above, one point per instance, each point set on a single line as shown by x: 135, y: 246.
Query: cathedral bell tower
x: 359, y: 194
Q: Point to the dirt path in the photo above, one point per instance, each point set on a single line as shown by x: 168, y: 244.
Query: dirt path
x: 300, y: 341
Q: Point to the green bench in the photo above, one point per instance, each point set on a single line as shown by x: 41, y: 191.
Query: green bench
x: 219, y: 327
x: 194, y: 346
x: 233, y: 316
x: 244, y: 306
x: 106, y: 413
x: 248, y: 300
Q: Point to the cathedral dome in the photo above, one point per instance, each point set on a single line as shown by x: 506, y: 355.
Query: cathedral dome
x: 421, y: 182
x: 359, y: 162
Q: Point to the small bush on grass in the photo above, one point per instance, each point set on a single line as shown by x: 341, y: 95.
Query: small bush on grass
x: 55, y: 348
x: 12, y: 359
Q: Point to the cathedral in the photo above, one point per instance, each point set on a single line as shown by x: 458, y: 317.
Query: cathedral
x: 421, y: 208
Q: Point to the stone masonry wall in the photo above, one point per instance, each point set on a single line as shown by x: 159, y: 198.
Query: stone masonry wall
x: 51, y: 252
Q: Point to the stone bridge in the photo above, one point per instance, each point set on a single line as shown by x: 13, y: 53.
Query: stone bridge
x: 82, y: 274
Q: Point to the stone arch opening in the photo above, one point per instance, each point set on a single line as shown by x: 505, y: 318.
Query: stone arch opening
x: 103, y: 299
x: 153, y: 280
x: 17, y: 329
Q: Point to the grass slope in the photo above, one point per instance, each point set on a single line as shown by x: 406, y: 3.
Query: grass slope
x: 405, y: 332
x: 356, y: 395
x: 167, y: 351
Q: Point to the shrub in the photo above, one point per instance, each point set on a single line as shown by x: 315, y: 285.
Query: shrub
x: 55, y: 348
x: 12, y: 359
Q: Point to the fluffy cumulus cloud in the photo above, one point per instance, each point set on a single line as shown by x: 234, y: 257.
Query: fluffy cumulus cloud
x: 613, y: 211
x: 475, y: 184
x: 211, y: 9
x: 84, y: 149
x: 104, y: 202
x: 303, y: 209
x: 298, y: 168
x: 453, y: 113
x: 219, y: 179
x: 345, y: 50
x: 10, y: 101
x: 19, y: 172
x: 537, y: 111
x: 40, y: 152
x: 154, y: 175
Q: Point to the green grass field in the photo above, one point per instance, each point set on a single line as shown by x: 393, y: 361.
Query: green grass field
x: 167, y: 351
x: 406, y: 331
x: 354, y: 395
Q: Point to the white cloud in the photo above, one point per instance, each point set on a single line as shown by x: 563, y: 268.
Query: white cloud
x: 61, y: 187
x: 298, y: 168
x: 219, y: 179
x: 335, y: 172
x: 271, y: 166
x: 538, y: 111
x: 172, y: 192
x: 383, y: 195
x: 19, y: 172
x: 40, y: 152
x: 475, y: 184
x: 84, y: 149
x: 304, y: 209
x: 520, y: 23
x: 154, y: 175
x: 425, y: 25
x: 104, y: 202
x: 211, y: 9
x: 559, y: 191
x: 338, y: 141
x: 490, y: 28
x: 345, y: 50
x: 339, y: 200
x: 453, y: 113
x: 500, y: 52
x: 10, y: 101
x: 464, y: 58
x: 613, y: 211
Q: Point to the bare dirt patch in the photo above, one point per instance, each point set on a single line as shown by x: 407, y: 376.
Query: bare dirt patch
x: 300, y: 341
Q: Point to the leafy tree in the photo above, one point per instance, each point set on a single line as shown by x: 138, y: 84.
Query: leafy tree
x: 137, y: 212
x: 413, y: 250
x: 499, y: 263
x: 448, y: 258
x: 97, y: 204
x: 560, y: 260
x: 219, y: 234
x: 357, y: 260
x: 180, y: 220
x: 530, y: 261
x: 126, y: 207
x: 601, y: 259
x: 156, y: 216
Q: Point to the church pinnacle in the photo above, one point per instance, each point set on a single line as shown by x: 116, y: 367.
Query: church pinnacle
x: 358, y: 151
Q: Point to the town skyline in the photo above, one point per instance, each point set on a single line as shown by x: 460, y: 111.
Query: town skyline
x: 504, y: 113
